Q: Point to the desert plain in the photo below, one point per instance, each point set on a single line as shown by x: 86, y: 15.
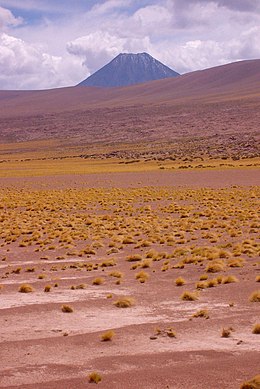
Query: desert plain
x: 130, y: 260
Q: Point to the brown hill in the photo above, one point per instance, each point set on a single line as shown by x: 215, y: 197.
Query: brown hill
x: 220, y: 101
x: 219, y: 83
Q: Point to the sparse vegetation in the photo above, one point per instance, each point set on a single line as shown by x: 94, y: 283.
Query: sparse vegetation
x: 66, y: 308
x: 98, y: 281
x: 124, y: 302
x: 254, y: 383
x: 201, y: 313
x: 94, y: 377
x: 180, y: 281
x: 189, y: 296
x: 26, y: 288
x: 203, y: 238
x: 226, y: 332
x: 142, y: 276
x: 256, y: 329
x: 116, y: 274
x: 229, y: 279
x: 107, y: 336
x: 255, y: 297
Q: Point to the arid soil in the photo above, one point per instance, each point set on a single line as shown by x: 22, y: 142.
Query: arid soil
x: 87, y: 241
x: 214, y: 113
x: 166, y: 224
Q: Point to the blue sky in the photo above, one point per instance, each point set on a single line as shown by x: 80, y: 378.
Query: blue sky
x: 56, y: 43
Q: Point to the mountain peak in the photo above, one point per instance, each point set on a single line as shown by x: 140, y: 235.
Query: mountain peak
x: 129, y: 69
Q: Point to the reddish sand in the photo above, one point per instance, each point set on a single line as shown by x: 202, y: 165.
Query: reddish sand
x: 191, y: 178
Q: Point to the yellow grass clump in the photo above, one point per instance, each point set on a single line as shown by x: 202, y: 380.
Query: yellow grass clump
x: 66, y: 308
x: 180, y: 281
x: 142, y: 276
x: 189, y: 296
x: 256, y: 329
x: 116, y: 274
x: 255, y: 297
x: 26, y: 288
x: 229, y: 279
x: 107, y: 336
x: 215, y: 267
x: 94, y: 377
x: 201, y: 313
x: 124, y: 302
x: 98, y: 281
x: 254, y: 383
x: 134, y: 258
x: 226, y: 332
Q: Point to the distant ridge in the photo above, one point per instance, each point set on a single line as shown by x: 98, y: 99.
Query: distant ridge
x: 129, y: 69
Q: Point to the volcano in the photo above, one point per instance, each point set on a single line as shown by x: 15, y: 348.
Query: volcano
x: 129, y: 69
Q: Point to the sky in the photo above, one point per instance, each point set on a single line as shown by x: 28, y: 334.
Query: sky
x: 57, y: 43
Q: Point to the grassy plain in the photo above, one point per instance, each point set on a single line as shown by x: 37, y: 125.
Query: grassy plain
x: 182, y: 260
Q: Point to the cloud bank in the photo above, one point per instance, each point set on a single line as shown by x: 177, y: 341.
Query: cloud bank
x: 41, y: 47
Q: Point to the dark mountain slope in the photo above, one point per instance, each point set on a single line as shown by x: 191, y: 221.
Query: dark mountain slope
x: 129, y: 69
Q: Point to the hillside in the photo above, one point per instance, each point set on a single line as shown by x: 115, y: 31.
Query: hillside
x: 218, y: 102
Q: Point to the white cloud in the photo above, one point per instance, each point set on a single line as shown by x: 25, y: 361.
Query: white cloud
x: 153, y: 16
x: 100, y: 47
x: 186, y: 36
x: 110, y: 5
x: 24, y: 66
x: 8, y: 19
x: 96, y: 48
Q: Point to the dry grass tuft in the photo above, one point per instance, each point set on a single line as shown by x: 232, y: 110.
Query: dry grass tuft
x: 98, y: 281
x: 108, y: 263
x: 215, y: 267
x: 124, y: 302
x: 26, y: 288
x: 238, y: 262
x: 142, y: 276
x: 189, y: 296
x: 256, y: 329
x: 254, y: 383
x: 255, y: 297
x: 180, y: 281
x: 229, y: 279
x: 201, y: 285
x: 212, y: 283
x: 66, y: 308
x: 107, y: 336
x: 80, y: 286
x: 226, y: 332
x: 116, y: 274
x: 134, y: 258
x: 94, y: 377
x: 201, y: 313
x: 171, y: 333
x: 145, y: 263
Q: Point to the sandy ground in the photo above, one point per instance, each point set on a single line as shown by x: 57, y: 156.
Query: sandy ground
x: 203, y: 178
x: 42, y: 347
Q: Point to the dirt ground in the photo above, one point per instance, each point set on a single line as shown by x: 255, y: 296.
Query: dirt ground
x: 64, y: 232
